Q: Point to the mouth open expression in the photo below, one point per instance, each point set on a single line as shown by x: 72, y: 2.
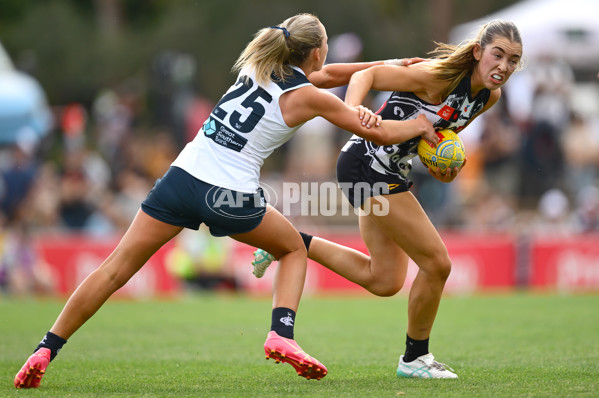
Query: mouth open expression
x: 498, y: 61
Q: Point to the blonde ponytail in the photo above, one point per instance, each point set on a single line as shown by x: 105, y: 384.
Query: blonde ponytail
x: 275, y: 48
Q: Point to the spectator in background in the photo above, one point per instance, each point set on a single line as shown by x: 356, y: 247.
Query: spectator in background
x: 499, y: 148
x: 23, y: 270
x: 156, y: 154
x: 113, y: 122
x: 84, y: 177
x: 542, y: 163
x: 171, y: 93
x: 115, y: 207
x: 542, y: 154
x: 75, y: 204
x: 553, y: 214
x: 18, y: 172
x: 581, y: 154
x: 552, y: 79
x: 45, y: 198
x: 488, y: 210
x: 586, y: 214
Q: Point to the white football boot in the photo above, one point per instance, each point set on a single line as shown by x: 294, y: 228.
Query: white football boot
x: 425, y: 367
x: 262, y: 260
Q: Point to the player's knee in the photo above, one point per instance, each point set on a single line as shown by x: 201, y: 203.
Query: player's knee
x: 387, y: 291
x: 386, y: 288
x: 442, y: 267
x: 293, y: 248
x: 436, y: 266
x: 113, y: 277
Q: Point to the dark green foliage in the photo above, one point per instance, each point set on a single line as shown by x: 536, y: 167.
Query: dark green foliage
x: 80, y: 47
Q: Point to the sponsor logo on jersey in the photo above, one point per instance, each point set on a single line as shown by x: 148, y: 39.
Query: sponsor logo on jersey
x: 219, y: 133
x: 446, y: 112
x: 209, y: 126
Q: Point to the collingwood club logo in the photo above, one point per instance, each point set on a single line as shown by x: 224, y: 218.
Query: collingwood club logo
x: 287, y: 320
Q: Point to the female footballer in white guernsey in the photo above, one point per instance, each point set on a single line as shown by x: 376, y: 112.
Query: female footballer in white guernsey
x: 458, y: 84
x: 215, y: 181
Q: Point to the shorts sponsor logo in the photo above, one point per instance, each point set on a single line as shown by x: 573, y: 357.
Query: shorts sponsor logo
x: 234, y: 204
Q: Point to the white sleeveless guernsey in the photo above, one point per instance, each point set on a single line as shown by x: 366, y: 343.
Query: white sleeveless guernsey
x: 244, y: 128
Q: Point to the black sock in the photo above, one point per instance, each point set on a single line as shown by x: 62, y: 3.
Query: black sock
x: 52, y: 342
x: 307, y: 239
x: 282, y: 322
x: 415, y: 349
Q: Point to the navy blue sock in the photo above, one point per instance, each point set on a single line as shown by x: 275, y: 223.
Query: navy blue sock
x: 52, y: 342
x: 307, y: 239
x: 415, y: 349
x: 283, y: 320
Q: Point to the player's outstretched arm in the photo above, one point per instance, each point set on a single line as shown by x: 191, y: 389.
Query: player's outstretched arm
x: 339, y: 74
x: 385, y: 78
x: 308, y: 102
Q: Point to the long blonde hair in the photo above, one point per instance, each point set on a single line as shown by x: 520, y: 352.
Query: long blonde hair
x: 274, y: 48
x: 457, y: 61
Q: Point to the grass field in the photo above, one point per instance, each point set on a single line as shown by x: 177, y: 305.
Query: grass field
x: 516, y: 345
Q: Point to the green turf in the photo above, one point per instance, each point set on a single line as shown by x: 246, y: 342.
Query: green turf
x: 211, y: 346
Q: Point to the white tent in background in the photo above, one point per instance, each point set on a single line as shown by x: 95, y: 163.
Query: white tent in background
x: 25, y: 116
x: 567, y: 29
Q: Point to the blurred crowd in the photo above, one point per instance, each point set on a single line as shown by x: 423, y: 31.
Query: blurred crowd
x: 533, y: 161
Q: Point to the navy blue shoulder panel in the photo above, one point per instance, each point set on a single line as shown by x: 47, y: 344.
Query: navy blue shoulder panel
x: 295, y: 80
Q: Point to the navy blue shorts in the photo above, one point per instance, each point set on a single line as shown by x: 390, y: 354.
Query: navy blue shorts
x: 180, y: 199
x: 358, y: 181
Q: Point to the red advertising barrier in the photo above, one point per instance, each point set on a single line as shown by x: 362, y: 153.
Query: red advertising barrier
x: 565, y: 263
x: 72, y: 258
x: 484, y: 262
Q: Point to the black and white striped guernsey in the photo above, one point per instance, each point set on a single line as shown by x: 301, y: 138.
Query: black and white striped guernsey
x: 453, y: 113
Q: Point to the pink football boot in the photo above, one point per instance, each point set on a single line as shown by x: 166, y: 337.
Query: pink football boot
x: 288, y: 351
x: 30, y: 375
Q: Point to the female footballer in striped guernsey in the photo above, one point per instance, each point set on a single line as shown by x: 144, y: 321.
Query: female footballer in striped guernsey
x: 459, y: 84
x: 275, y: 93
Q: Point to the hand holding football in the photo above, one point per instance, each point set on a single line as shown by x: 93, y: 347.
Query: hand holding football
x: 449, y: 152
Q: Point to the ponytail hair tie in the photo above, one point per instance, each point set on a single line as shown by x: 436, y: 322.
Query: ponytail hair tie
x: 285, y: 31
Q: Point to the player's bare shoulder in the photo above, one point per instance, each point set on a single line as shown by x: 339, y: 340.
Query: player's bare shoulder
x: 300, y: 105
x: 429, y: 86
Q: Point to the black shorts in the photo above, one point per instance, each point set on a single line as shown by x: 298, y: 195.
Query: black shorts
x: 180, y: 199
x: 358, y: 181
